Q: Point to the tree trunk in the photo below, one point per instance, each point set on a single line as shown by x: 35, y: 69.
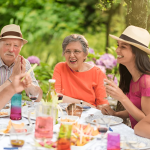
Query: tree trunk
x: 137, y: 13
x: 111, y: 12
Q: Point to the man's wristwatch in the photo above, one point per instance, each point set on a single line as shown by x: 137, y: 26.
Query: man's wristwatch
x: 9, y: 80
x: 81, y: 102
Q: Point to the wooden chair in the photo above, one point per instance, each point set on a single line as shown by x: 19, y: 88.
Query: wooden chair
x: 120, y: 107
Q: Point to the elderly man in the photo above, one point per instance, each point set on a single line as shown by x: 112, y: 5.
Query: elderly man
x: 11, y: 63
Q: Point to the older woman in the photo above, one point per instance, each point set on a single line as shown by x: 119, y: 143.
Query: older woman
x: 82, y: 82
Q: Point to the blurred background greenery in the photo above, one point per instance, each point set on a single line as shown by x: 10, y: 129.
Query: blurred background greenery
x: 45, y: 23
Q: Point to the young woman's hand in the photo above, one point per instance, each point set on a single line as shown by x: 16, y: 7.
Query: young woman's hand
x: 114, y: 91
x: 106, y: 110
x: 19, y: 85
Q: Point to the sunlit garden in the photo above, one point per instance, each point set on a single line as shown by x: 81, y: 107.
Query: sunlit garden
x: 45, y: 23
x: 99, y: 96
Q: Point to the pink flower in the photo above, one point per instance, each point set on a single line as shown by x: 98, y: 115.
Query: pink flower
x: 103, y: 69
x: 115, y: 79
x: 91, y: 51
x: 34, y: 60
x: 107, y: 60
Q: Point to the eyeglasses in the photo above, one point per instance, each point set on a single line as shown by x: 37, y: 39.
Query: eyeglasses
x: 76, y: 52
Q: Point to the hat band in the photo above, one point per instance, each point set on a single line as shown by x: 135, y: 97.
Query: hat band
x: 127, y: 38
x: 11, y: 33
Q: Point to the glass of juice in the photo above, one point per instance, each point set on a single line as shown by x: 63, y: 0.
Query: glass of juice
x: 44, y: 127
x: 45, y: 120
x: 17, y: 136
x: 64, y: 136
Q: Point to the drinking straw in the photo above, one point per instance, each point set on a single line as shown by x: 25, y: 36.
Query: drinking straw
x: 72, y: 110
x: 59, y: 108
x: 78, y: 129
x: 74, y: 135
x: 14, y: 131
x: 81, y: 134
x: 34, y: 66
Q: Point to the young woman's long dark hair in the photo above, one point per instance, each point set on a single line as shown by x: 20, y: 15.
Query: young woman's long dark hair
x: 142, y: 63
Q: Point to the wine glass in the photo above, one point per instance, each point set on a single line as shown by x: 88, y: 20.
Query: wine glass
x: 60, y: 93
x: 102, y: 129
x: 33, y: 97
x: 109, y: 77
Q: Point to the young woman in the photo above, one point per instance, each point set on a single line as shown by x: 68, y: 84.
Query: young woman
x: 134, y: 67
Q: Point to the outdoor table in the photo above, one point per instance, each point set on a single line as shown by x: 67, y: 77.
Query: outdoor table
x: 122, y: 129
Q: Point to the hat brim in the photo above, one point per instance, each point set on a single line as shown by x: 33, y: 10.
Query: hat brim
x: 147, y: 50
x: 15, y: 37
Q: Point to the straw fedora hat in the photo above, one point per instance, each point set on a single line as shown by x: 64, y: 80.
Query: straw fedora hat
x: 135, y: 36
x: 12, y: 31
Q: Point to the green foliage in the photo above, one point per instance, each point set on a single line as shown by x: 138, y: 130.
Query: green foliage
x: 106, y: 4
x: 45, y: 23
x: 42, y: 73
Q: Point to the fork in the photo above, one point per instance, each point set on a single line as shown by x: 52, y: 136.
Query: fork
x: 3, y: 135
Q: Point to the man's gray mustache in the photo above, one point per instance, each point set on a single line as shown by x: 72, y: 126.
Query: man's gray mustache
x: 12, y: 54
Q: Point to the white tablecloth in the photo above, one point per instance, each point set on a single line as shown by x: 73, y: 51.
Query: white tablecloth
x: 122, y: 129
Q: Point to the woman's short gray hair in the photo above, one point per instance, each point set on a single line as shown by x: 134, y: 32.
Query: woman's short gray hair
x: 75, y: 38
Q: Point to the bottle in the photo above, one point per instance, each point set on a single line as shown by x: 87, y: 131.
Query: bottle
x: 16, y: 104
x: 51, y: 93
x: 52, y: 99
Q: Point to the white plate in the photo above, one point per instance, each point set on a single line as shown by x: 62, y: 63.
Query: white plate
x: 4, y: 126
x: 93, y: 118
x: 132, y: 140
x: 64, y: 106
x: 5, y: 110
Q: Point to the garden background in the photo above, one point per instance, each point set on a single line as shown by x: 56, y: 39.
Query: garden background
x: 45, y: 23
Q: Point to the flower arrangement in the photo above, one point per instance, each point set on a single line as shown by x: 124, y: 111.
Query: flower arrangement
x: 106, y: 62
x: 33, y: 60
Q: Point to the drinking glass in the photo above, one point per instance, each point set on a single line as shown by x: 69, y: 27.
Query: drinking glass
x: 64, y: 136
x: 45, y: 120
x: 102, y: 129
x: 60, y: 93
x: 33, y: 97
x: 17, y: 136
x: 109, y: 77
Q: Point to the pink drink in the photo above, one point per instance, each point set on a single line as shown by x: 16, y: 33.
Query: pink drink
x: 16, y: 107
x: 44, y: 127
x: 15, y: 113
